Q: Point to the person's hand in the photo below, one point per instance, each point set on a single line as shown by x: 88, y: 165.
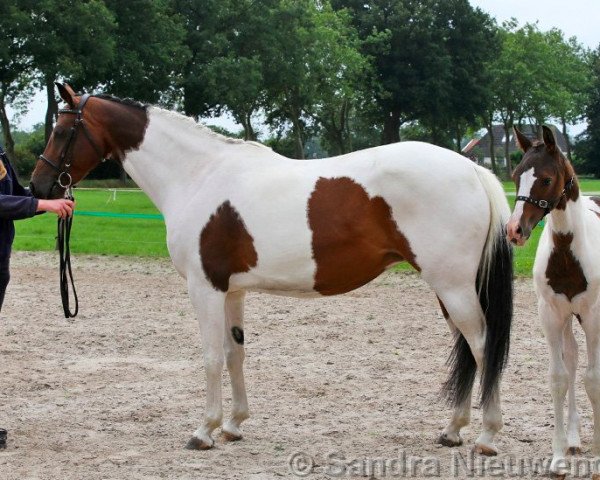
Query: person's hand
x: 61, y: 206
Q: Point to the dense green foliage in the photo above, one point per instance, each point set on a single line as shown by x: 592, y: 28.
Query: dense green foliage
x: 342, y: 74
x: 588, y: 148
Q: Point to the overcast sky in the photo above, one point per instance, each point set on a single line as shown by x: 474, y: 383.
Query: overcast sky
x: 580, y: 18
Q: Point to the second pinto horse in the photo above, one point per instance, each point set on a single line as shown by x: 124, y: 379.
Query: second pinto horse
x: 566, y: 276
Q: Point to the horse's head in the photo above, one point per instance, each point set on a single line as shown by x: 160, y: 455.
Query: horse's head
x: 88, y: 130
x: 545, y: 180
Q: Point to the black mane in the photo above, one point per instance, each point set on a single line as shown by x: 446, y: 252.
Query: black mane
x: 123, y: 101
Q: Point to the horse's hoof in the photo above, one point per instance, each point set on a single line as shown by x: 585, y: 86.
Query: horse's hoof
x: 196, y: 444
x: 574, y: 451
x: 231, y: 437
x: 446, y: 441
x: 485, y: 450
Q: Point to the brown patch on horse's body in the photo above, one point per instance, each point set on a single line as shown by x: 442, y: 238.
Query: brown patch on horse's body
x: 226, y: 247
x: 564, y: 272
x: 354, y: 237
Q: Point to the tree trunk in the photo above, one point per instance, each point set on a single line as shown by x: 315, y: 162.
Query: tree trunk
x: 492, y: 150
x: 458, y: 138
x: 566, y: 135
x: 507, y: 150
x: 52, y: 109
x: 246, y: 120
x: 9, y: 143
x: 391, y: 128
x: 299, y: 145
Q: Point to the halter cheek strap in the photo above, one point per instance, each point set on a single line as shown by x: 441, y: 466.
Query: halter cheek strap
x: 546, y: 205
x: 64, y: 179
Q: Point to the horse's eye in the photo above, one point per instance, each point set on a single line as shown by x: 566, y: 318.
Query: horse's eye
x: 547, y: 181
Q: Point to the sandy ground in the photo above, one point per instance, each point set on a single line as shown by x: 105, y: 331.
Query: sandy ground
x: 351, y: 381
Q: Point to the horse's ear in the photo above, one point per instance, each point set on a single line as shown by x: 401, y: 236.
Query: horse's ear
x: 522, y: 141
x: 549, y: 139
x: 66, y: 93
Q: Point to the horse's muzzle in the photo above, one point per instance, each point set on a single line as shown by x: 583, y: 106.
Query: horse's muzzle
x: 516, y: 234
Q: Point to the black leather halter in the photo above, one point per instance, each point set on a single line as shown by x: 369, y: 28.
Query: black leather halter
x: 546, y: 205
x: 63, y: 166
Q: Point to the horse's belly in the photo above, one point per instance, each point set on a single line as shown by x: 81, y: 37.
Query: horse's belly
x: 290, y: 286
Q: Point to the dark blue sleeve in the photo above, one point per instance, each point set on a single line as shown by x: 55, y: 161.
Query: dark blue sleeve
x: 17, y: 189
x: 13, y: 207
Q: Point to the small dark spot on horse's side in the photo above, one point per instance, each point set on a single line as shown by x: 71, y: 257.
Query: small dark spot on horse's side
x: 238, y: 335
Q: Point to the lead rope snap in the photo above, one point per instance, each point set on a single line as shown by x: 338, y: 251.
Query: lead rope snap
x: 64, y: 253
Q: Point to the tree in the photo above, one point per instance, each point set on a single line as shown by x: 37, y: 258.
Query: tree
x: 228, y: 76
x: 305, y: 64
x: 207, y: 23
x: 427, y: 58
x: 342, y: 73
x: 571, y: 82
x: 536, y: 76
x: 589, y: 145
x: 15, y: 71
x: 70, y: 39
x: 469, y: 37
x: 151, y: 52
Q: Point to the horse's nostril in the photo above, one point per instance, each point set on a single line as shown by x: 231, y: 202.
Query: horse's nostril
x: 519, y: 230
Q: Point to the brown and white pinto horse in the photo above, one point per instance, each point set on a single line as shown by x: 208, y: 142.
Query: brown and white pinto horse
x: 240, y: 217
x: 566, y: 275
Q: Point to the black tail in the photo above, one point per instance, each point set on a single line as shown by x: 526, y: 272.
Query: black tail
x: 495, y: 287
x: 462, y: 372
x: 496, y: 299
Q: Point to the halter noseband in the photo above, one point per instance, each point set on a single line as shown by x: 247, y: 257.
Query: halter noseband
x: 545, y: 204
x: 62, y: 166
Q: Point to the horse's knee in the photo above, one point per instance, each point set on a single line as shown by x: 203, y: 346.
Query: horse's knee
x: 559, y: 383
x: 235, y: 356
x: 213, y: 362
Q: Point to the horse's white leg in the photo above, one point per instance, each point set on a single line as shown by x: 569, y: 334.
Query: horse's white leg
x: 461, y: 416
x: 210, y: 307
x: 465, y: 312
x: 492, y: 423
x: 234, y: 356
x: 570, y: 356
x: 591, y: 326
x: 554, y: 325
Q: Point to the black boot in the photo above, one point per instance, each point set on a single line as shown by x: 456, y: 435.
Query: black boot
x: 3, y: 435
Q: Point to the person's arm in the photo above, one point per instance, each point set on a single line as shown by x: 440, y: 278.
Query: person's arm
x: 61, y: 206
x: 13, y: 207
x: 17, y: 188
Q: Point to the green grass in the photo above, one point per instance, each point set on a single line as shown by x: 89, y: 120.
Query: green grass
x: 100, y: 235
x: 586, y: 185
x: 146, y: 237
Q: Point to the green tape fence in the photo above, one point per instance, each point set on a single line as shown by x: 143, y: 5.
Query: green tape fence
x: 146, y: 216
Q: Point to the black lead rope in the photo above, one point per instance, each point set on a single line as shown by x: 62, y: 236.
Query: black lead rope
x: 66, y: 274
